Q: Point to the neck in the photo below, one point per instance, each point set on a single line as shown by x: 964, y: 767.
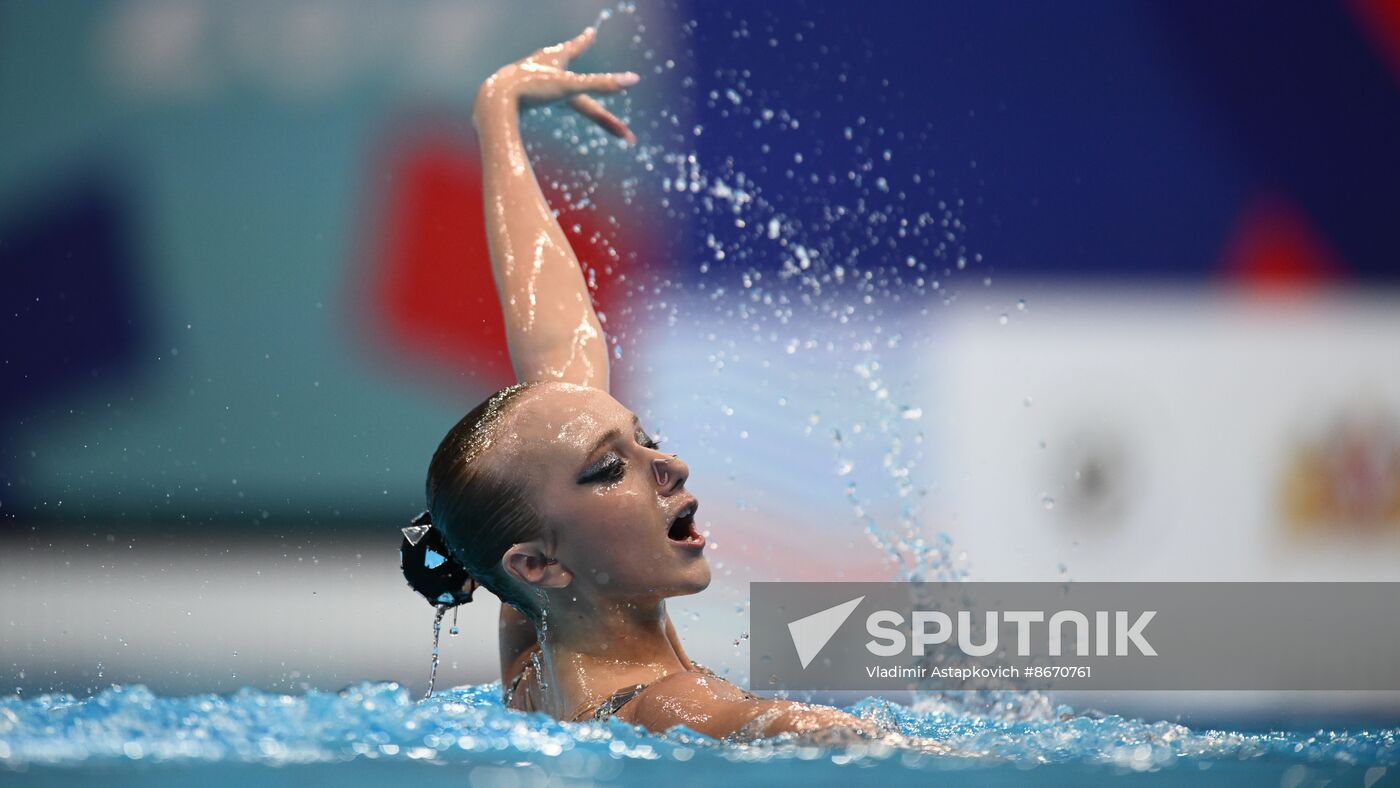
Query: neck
x: 593, y: 648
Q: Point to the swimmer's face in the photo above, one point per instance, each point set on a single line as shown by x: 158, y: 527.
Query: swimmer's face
x: 615, y: 509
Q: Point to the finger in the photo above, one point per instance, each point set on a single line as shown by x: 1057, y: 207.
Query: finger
x: 559, y: 55
x: 602, y: 83
x: 591, y: 109
x: 580, y: 43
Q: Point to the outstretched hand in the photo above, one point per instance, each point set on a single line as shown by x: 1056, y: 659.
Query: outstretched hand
x: 543, y: 77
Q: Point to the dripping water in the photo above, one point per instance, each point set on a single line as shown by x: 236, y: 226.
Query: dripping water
x: 437, y: 635
x: 541, y: 634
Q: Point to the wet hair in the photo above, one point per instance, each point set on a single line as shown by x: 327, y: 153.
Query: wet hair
x: 476, y: 511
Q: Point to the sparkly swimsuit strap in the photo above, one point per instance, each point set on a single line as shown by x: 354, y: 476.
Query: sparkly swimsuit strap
x: 622, y: 697
x: 617, y: 700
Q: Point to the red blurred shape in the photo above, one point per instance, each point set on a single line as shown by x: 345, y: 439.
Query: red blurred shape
x: 1380, y: 20
x: 432, y: 285
x: 434, y: 292
x: 1274, y: 248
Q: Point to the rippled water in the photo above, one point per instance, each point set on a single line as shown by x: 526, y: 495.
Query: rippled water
x: 370, y: 733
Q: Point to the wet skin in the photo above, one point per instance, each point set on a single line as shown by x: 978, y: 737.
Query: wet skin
x: 617, y: 538
x: 608, y: 499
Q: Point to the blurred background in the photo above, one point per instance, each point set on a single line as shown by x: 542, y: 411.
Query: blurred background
x: 999, y: 291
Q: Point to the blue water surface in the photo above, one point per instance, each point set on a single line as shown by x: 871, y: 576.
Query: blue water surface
x: 378, y: 734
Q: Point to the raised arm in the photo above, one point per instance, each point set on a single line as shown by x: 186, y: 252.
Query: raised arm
x: 551, y: 326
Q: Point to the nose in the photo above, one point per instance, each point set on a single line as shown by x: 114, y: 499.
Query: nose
x: 671, y: 473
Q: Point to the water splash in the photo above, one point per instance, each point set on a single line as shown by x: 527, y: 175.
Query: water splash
x: 884, y: 242
x: 469, y: 725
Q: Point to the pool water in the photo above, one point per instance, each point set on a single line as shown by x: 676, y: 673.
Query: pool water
x: 377, y: 733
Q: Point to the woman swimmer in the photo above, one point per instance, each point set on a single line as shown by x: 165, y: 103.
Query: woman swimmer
x: 552, y: 496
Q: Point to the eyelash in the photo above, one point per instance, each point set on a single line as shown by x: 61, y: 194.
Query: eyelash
x: 616, y: 468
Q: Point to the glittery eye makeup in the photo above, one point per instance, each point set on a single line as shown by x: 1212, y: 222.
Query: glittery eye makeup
x: 608, y: 468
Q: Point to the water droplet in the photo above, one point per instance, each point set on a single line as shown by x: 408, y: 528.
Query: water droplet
x: 1047, y: 501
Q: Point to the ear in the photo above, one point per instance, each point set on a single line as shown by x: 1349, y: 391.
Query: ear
x: 530, y: 563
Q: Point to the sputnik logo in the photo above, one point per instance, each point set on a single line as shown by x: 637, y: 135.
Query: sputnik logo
x: 810, y: 634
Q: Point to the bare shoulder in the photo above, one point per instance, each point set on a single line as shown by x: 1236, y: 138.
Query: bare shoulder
x: 687, y: 688
x: 710, y: 705
x: 699, y: 701
x: 698, y: 684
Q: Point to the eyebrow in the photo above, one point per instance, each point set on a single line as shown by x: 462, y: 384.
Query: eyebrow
x: 609, y: 436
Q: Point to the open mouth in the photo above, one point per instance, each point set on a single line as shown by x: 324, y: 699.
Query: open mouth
x: 682, y: 530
